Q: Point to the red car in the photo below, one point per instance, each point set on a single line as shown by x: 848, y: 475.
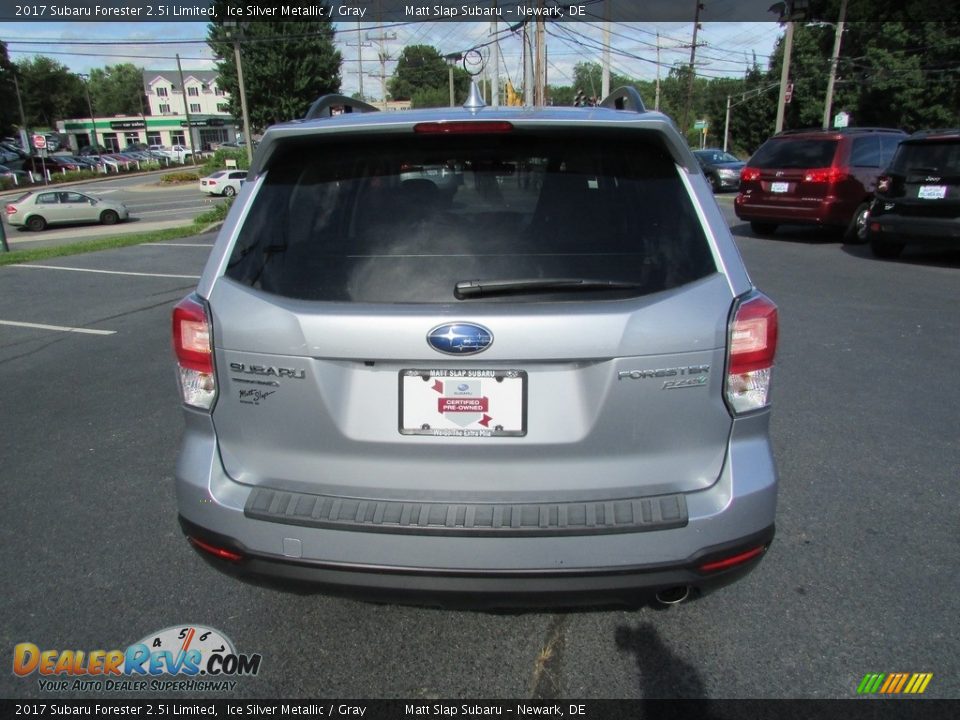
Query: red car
x: 51, y: 163
x: 815, y: 177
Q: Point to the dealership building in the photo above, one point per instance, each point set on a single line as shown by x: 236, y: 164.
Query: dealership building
x: 166, y: 121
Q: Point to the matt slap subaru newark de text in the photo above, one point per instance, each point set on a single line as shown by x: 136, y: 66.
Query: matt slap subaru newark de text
x: 473, y: 709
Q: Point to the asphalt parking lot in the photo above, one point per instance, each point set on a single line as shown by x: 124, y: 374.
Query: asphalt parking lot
x: 861, y: 577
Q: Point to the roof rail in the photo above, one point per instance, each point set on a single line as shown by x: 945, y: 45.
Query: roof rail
x: 324, y: 105
x: 624, y: 98
x: 935, y: 132
x: 841, y: 131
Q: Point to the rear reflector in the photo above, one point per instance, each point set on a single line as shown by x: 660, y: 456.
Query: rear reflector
x: 219, y: 552
x: 479, y: 127
x: 193, y: 347
x: 733, y: 560
x: 751, y: 348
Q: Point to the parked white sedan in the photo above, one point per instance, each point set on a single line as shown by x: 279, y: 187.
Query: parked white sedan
x: 223, y: 182
x: 37, y: 210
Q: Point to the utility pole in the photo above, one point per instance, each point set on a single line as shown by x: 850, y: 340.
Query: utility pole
x: 656, y: 99
x: 784, y: 76
x: 360, y: 45
x: 495, y: 78
x: 693, y: 57
x: 605, y: 79
x: 86, y: 88
x: 726, y: 126
x: 837, y: 39
x: 452, y: 60
x: 186, y: 111
x: 235, y: 29
x: 527, y: 66
x: 24, y: 133
x: 384, y: 58
x: 540, y: 60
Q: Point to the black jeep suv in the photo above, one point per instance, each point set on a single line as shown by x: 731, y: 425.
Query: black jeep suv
x: 918, y: 197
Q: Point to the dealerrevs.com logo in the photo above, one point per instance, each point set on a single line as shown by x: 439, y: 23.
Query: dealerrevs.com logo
x: 187, y: 658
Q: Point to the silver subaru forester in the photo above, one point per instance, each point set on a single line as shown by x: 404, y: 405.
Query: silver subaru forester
x: 483, y: 356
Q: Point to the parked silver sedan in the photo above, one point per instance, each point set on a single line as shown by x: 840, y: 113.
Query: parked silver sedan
x: 36, y: 210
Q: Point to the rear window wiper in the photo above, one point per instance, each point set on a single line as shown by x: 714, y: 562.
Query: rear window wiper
x: 520, y: 286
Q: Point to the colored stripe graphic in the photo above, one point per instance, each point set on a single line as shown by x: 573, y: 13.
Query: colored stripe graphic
x: 894, y: 683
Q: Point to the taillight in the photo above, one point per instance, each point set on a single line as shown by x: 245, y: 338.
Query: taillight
x: 749, y: 174
x: 828, y: 175
x: 11, y: 209
x: 464, y: 127
x: 193, y: 346
x: 751, y: 347
x: 883, y: 183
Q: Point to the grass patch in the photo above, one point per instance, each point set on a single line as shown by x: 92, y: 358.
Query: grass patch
x: 78, y: 248
x: 218, y: 213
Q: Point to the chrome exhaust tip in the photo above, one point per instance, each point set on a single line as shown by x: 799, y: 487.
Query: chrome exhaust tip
x: 674, y: 595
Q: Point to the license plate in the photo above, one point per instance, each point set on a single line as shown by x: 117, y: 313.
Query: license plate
x: 932, y: 192
x: 463, y: 403
x: 779, y: 187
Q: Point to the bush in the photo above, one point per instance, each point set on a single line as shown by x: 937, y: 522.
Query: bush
x: 180, y: 177
x: 218, y: 161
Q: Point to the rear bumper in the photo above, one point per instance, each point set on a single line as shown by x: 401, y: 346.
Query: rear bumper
x: 914, y: 230
x: 487, y: 588
x: 828, y: 211
x: 595, y: 567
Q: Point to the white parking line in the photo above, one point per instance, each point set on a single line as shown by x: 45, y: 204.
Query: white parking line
x: 58, y: 328
x: 105, y: 272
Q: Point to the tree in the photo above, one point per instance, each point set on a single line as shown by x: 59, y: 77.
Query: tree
x: 50, y: 92
x: 419, y: 68
x: 588, y: 79
x: 891, y: 74
x: 117, y: 90
x: 286, y: 65
x: 9, y: 113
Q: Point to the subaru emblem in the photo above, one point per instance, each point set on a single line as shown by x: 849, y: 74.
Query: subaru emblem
x: 459, y: 338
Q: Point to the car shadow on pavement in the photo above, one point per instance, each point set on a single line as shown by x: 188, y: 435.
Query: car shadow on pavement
x: 662, y: 675
x: 791, y: 233
x: 945, y: 257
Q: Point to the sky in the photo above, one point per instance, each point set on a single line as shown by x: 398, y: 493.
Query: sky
x: 725, y: 49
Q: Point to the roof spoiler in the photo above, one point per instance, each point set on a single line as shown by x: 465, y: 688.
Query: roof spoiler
x: 326, y: 104
x: 624, y: 98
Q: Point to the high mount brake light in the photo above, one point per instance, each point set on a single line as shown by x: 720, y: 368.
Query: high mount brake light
x: 751, y: 349
x: 193, y: 346
x: 467, y: 127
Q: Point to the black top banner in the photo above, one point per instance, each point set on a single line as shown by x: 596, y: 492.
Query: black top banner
x: 512, y: 12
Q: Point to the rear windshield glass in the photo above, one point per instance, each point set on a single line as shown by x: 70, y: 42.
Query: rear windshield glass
x: 794, y: 154
x: 941, y: 157
x: 407, y: 218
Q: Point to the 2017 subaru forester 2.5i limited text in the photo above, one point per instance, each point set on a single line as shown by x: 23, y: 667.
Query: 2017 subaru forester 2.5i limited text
x: 543, y: 382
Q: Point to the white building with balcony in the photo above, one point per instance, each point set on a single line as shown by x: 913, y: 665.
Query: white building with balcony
x: 203, y: 95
